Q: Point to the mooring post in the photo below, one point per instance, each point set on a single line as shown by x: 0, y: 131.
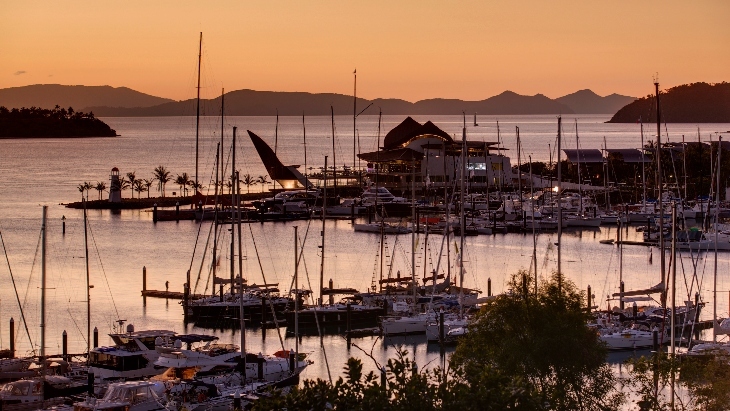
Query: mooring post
x: 186, y: 296
x: 260, y: 360
x: 489, y: 287
x: 177, y: 211
x: 12, y: 338
x: 144, y: 279
x: 237, y: 401
x: 221, y: 291
x: 441, y: 327
x: 154, y: 213
x: 635, y: 310
x: 332, y: 296
x: 292, y: 361
x: 63, y: 225
x: 589, y: 298
x: 90, y: 383
x: 64, y: 346
x: 96, y: 337
x: 655, y: 339
x: 349, y: 324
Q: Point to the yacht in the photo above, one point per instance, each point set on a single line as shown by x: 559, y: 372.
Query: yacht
x: 257, y: 303
x: 380, y: 195
x: 132, y: 356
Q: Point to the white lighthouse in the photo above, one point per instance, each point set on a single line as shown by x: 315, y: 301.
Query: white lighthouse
x: 115, y: 187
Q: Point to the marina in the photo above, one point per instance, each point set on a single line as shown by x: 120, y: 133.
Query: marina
x: 165, y: 256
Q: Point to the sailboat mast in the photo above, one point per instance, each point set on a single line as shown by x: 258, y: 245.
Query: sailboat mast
x: 334, y: 152
x: 354, y: 122
x: 88, y: 285
x: 659, y: 184
x: 233, y: 204
x: 43, y: 300
x: 577, y: 151
x: 296, y: 293
x: 560, y: 205
x: 324, y: 213
x: 717, y: 229
x: 519, y: 165
x: 462, y: 217
x: 534, y: 236
x: 242, y: 323
x: 304, y: 131
x: 413, y: 230
x: 643, y: 172
x: 377, y: 172
x: 215, y: 222
x: 197, y: 113
x: 223, y: 94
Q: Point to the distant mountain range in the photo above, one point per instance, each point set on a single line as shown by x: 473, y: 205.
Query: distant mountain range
x: 106, y: 101
x: 688, y: 103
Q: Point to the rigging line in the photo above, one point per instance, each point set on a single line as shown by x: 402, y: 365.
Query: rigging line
x: 202, y: 262
x: 30, y: 277
x: 316, y: 321
x: 301, y: 252
x: 15, y: 288
x: 103, y: 271
x: 263, y: 276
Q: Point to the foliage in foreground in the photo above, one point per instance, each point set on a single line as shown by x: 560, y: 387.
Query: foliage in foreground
x: 525, y: 351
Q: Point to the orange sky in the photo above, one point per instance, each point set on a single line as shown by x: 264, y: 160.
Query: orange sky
x: 405, y: 49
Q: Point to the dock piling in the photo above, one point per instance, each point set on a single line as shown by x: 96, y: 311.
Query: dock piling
x: 621, y: 296
x: 441, y: 327
x: 332, y: 297
x: 90, y: 383
x: 177, y: 211
x: 154, y: 213
x: 292, y: 361
x: 144, y: 279
x: 63, y: 225
x: 260, y: 370
x: 489, y: 287
x: 64, y: 346
x: 96, y: 337
x: 589, y: 298
x: 12, y: 338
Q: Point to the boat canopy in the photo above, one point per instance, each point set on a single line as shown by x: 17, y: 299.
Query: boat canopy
x: 587, y: 155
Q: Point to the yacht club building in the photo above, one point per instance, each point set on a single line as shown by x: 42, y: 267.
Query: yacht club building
x: 431, y: 155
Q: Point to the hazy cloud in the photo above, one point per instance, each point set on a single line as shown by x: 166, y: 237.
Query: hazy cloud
x: 19, y: 72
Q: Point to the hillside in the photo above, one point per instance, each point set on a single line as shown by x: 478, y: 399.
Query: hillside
x: 688, y: 103
x: 59, y: 122
x: 588, y: 102
x: 264, y: 103
x: 49, y: 95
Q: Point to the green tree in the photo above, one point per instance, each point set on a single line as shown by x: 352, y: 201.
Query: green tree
x: 163, y: 177
x: 542, y: 338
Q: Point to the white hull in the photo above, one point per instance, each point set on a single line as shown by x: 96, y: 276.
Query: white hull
x: 432, y: 329
x: 406, y: 325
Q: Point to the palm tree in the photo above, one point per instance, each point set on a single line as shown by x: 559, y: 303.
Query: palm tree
x: 123, y: 185
x: 147, y: 183
x: 132, y: 177
x: 263, y: 180
x: 248, y: 181
x: 88, y: 186
x: 163, y: 177
x: 139, y: 187
x: 100, y: 187
x: 183, y: 180
x: 82, y: 188
x: 229, y: 185
x: 195, y: 186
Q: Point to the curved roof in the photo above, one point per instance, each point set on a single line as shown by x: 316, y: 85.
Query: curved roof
x: 408, y: 130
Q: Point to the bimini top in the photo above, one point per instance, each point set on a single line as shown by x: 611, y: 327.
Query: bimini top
x: 409, y: 130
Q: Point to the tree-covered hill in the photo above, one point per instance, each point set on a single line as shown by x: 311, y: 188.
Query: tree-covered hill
x: 59, y: 122
x: 688, y: 103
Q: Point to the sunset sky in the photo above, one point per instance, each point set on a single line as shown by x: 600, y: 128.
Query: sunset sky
x: 403, y: 49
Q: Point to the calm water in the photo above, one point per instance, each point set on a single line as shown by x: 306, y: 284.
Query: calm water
x: 47, y: 171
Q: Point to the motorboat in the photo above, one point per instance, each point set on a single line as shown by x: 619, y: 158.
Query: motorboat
x: 49, y: 390
x: 133, y: 355
x: 451, y: 322
x: 129, y: 396
x: 379, y: 195
x: 636, y: 337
